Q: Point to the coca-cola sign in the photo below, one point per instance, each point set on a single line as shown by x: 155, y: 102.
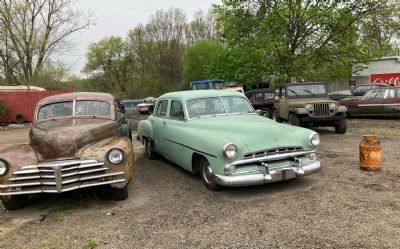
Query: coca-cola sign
x: 389, y: 78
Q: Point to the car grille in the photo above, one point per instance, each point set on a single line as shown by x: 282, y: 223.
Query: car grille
x: 321, y: 110
x: 272, y: 152
x: 60, y: 176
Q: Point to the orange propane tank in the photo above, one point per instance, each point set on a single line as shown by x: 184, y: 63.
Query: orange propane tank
x: 370, y: 153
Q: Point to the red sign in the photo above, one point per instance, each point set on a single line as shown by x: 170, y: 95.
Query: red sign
x: 389, y: 78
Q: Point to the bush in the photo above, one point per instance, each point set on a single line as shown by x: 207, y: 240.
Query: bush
x: 3, y: 110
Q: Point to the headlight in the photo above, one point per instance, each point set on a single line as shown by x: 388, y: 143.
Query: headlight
x: 309, y: 106
x: 3, y: 167
x: 312, y: 156
x: 230, y: 151
x: 333, y: 105
x: 115, y: 156
x: 230, y: 169
x: 314, y: 139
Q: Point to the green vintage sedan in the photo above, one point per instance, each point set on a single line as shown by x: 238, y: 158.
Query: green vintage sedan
x: 217, y: 134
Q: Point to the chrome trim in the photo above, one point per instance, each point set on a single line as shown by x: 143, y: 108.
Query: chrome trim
x: 274, y: 157
x: 224, y: 151
x: 60, y: 176
x: 311, y: 135
x: 270, y: 175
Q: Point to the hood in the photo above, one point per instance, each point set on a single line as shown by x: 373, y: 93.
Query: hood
x: 344, y: 92
x: 255, y: 132
x: 62, y: 138
x: 303, y: 101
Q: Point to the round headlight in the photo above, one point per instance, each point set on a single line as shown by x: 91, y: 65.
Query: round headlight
x: 314, y: 139
x: 332, y: 105
x: 309, y: 106
x: 115, y: 156
x: 3, y: 167
x: 230, y: 151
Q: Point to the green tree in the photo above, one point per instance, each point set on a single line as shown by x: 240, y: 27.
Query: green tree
x: 198, y: 57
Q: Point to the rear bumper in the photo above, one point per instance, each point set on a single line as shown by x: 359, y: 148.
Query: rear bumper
x: 276, y: 175
x: 59, y: 177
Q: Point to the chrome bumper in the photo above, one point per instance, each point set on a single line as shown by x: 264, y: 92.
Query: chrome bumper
x: 273, y: 175
x: 59, y: 176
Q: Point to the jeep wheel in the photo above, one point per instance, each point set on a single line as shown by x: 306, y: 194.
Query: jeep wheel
x: 341, y: 127
x: 120, y: 194
x: 14, y: 202
x: 294, y: 119
x: 207, y: 175
x: 276, y: 117
x: 149, y: 151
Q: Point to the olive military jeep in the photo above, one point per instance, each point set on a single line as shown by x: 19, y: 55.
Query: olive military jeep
x: 307, y: 104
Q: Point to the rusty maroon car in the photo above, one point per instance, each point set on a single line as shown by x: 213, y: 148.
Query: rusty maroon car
x: 77, y: 140
x: 376, y: 102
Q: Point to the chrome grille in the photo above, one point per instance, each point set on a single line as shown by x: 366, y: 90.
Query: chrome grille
x: 321, y: 110
x: 272, y: 152
x: 60, y: 176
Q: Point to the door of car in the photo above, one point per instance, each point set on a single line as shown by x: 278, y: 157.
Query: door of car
x: 282, y: 103
x: 391, y: 103
x: 176, y: 141
x: 123, y: 123
x: 159, y: 123
x: 371, y: 103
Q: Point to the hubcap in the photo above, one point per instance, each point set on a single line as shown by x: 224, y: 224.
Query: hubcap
x: 148, y: 147
x: 208, y: 174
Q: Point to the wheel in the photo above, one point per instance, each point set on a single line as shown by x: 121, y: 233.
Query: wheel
x: 15, y: 201
x: 207, y: 175
x: 341, y: 127
x: 20, y: 118
x: 120, y: 194
x: 275, y: 116
x: 294, y: 119
x: 149, y: 151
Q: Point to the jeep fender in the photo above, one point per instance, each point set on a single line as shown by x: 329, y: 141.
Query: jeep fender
x: 299, y: 111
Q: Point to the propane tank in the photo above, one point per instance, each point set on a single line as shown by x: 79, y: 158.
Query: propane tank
x: 370, y: 153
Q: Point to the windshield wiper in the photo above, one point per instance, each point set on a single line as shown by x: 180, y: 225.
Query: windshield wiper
x: 307, y: 91
x: 293, y: 92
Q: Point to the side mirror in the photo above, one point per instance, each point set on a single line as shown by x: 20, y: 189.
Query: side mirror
x: 259, y: 112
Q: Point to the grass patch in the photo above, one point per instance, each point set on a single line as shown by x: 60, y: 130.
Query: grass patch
x: 61, y: 208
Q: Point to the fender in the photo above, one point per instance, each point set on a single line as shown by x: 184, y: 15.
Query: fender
x: 298, y: 111
x: 17, y: 156
x: 99, y: 152
x: 145, y: 129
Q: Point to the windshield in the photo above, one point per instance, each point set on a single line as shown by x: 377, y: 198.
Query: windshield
x: 82, y: 108
x: 216, y: 105
x: 306, y: 91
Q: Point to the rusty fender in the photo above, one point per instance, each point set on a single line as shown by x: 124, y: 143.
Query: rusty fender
x: 99, y: 152
x: 17, y: 156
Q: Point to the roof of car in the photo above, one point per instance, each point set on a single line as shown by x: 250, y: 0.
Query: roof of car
x: 77, y: 96
x: 190, y: 94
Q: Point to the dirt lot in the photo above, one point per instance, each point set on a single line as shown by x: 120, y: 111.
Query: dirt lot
x: 339, y: 207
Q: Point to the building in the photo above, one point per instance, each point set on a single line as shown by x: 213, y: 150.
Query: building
x: 382, y: 70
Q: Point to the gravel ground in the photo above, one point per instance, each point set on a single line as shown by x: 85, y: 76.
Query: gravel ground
x: 339, y: 207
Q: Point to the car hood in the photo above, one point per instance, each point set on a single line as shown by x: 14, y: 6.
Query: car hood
x: 301, y: 102
x: 63, y: 138
x: 255, y: 132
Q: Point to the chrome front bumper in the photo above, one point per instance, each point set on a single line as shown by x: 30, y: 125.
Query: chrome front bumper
x: 59, y: 176
x: 270, y: 175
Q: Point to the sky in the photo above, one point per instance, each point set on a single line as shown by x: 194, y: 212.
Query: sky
x: 116, y: 18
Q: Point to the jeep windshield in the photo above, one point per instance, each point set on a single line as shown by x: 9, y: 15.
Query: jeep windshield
x: 306, y: 91
x: 214, y: 106
x: 66, y: 109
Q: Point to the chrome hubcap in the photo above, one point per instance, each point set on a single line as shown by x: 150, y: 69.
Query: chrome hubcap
x: 208, y: 174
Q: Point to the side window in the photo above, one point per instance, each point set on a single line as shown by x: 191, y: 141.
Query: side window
x: 162, y: 108
x: 398, y: 93
x: 176, y: 111
x: 282, y: 92
x: 390, y: 94
x: 259, y: 97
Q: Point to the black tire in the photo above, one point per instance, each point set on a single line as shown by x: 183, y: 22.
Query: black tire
x: 15, y: 201
x: 130, y: 135
x: 20, y: 118
x: 148, y: 149
x: 294, y: 119
x: 341, y: 127
x: 275, y: 116
x: 120, y: 194
x: 207, y: 176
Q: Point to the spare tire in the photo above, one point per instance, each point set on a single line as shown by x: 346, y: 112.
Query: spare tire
x: 20, y: 118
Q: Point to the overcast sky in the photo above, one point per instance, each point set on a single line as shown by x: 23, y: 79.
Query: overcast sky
x: 117, y: 17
